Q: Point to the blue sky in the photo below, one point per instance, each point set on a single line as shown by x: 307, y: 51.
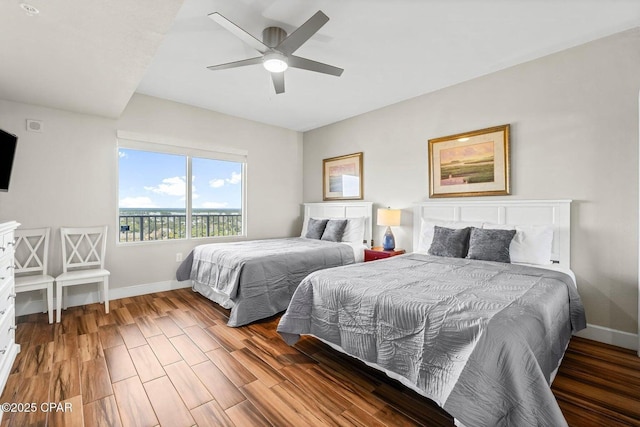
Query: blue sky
x: 157, y: 180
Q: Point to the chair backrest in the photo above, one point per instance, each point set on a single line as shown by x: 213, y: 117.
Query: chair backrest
x: 32, y: 250
x: 83, y: 247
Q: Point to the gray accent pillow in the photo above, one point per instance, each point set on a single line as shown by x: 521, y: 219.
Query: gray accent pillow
x: 334, y: 230
x: 315, y: 228
x: 490, y: 245
x: 449, y: 242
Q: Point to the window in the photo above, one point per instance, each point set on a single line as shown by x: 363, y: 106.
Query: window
x: 168, y: 192
x: 216, y: 198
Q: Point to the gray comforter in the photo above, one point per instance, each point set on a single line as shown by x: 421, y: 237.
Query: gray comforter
x: 479, y: 338
x: 257, y: 278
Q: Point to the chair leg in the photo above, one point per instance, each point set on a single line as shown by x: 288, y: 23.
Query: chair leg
x: 105, y: 294
x: 58, y: 301
x: 49, y: 291
x: 64, y: 298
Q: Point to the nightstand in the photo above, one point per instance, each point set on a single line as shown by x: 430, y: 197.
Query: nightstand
x: 378, y: 253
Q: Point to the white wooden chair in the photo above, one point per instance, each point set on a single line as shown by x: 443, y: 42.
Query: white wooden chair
x: 83, y: 251
x: 31, y: 254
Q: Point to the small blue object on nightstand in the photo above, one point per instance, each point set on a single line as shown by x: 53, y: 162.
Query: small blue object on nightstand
x: 388, y: 241
x: 389, y: 217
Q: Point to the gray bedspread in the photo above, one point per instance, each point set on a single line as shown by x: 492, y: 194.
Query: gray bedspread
x: 257, y: 278
x: 479, y: 338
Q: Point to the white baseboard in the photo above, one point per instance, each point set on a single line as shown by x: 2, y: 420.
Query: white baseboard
x: 30, y: 306
x: 149, y: 288
x: 610, y: 336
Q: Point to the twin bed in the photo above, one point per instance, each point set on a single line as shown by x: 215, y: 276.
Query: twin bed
x: 255, y: 279
x: 483, y: 339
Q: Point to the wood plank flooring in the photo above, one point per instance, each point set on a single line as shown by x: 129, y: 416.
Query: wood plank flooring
x: 169, y: 359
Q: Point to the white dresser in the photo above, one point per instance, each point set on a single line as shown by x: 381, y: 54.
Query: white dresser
x: 8, y: 347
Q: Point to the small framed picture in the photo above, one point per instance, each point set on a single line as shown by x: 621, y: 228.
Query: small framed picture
x: 470, y: 164
x: 342, y: 177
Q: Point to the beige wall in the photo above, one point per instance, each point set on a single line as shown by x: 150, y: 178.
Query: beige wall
x: 67, y: 176
x: 574, y: 124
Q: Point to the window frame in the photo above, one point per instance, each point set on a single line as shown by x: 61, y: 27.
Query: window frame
x: 127, y: 140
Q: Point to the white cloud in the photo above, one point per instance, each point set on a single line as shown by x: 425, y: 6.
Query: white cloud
x: 175, y: 186
x: 214, y: 205
x: 137, y: 202
x: 122, y: 154
x: 236, y: 178
x: 216, y: 183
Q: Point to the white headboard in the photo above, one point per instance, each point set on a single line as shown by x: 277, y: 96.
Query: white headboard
x: 342, y: 210
x: 556, y: 213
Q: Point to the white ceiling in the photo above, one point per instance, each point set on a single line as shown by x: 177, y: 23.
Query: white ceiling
x: 91, y: 55
x: 80, y: 55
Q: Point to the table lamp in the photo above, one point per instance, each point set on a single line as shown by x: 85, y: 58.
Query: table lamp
x: 389, y: 217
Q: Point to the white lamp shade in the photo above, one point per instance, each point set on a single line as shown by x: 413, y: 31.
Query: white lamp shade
x: 389, y: 217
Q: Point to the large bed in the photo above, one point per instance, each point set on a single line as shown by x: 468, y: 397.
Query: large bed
x: 483, y: 339
x: 255, y: 279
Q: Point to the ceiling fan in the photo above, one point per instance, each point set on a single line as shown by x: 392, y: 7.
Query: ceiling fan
x: 277, y: 48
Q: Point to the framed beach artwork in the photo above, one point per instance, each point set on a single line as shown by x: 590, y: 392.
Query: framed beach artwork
x: 470, y: 164
x: 342, y: 177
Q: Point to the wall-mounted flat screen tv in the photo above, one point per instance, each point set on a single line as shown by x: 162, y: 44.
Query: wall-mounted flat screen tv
x: 8, y: 144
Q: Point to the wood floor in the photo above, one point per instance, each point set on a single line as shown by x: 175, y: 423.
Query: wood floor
x: 168, y: 359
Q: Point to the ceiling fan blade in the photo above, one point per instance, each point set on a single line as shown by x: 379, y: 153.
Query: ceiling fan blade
x: 278, y: 82
x: 239, y: 32
x: 318, y: 67
x: 236, y: 64
x: 303, y: 33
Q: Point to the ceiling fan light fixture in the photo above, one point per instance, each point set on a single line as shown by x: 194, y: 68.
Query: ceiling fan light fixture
x: 275, y: 62
x: 277, y: 49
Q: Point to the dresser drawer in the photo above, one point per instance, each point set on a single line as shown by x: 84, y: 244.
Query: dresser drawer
x: 7, y: 298
x: 6, y: 272
x: 7, y: 332
x: 374, y: 255
x: 378, y: 253
x: 7, y: 243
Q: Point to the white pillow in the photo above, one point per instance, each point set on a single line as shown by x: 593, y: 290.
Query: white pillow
x: 531, y: 243
x: 353, y: 232
x: 426, y: 230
